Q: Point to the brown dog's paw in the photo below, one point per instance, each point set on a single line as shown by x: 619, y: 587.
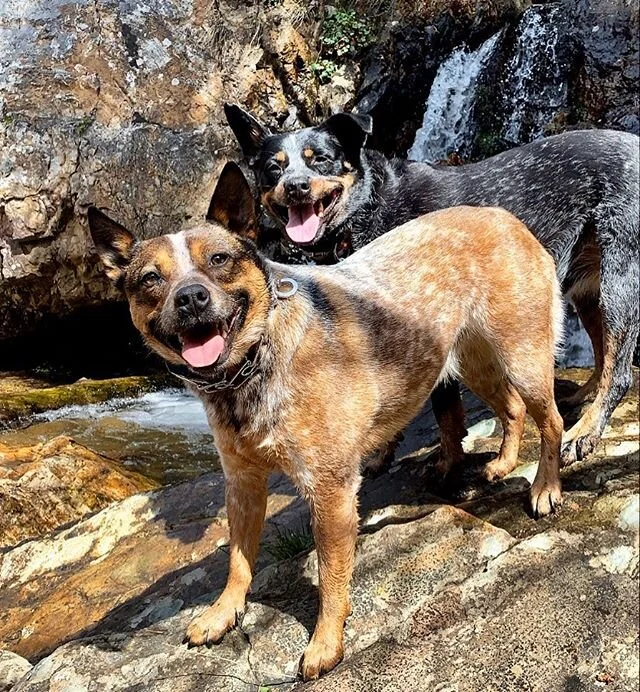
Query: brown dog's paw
x: 545, y: 499
x: 497, y: 469
x: 211, y: 625
x: 320, y: 657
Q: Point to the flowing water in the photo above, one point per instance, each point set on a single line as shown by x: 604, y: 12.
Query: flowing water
x: 535, y: 82
x: 533, y: 89
x: 448, y: 124
x: 163, y: 435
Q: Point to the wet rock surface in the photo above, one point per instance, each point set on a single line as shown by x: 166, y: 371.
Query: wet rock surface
x: 23, y: 395
x: 476, y: 596
x: 48, y: 485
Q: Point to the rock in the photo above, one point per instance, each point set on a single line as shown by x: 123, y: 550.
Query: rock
x: 12, y: 669
x: 516, y: 626
x: 159, y: 547
x: 397, y: 569
x: 483, y: 580
x: 51, y: 484
x: 605, y: 91
x: 120, y: 106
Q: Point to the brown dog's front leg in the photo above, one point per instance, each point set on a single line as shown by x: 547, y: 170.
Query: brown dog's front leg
x: 449, y: 414
x: 246, y: 501
x: 335, y: 527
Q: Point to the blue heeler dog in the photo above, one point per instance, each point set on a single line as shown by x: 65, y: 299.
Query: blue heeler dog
x: 577, y: 192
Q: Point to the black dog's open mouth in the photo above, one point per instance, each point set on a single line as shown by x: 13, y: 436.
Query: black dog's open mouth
x: 303, y: 221
x: 207, y: 344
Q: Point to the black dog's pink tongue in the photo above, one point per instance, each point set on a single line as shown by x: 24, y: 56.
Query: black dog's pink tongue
x: 201, y: 353
x: 303, y: 223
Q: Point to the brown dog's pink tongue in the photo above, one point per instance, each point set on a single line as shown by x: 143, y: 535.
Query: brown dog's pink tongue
x: 200, y: 354
x: 303, y: 223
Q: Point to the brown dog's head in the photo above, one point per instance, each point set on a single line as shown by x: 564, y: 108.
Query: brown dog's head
x: 201, y: 296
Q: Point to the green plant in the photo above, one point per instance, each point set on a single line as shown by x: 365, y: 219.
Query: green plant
x: 345, y: 34
x: 290, y: 542
x: 80, y: 128
x: 324, y: 69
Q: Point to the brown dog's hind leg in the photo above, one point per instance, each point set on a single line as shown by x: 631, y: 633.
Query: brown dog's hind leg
x: 449, y: 414
x: 509, y: 407
x: 546, y: 491
x: 335, y: 525
x: 246, y: 502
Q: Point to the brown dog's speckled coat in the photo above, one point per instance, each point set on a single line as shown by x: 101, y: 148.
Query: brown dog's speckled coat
x: 346, y: 363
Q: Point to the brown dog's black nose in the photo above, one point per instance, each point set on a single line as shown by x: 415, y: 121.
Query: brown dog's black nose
x: 297, y: 188
x: 191, y: 300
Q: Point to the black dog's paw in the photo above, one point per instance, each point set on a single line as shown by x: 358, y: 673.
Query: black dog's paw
x: 578, y: 449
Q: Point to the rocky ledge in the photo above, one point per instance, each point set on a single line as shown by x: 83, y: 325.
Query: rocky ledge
x: 455, y: 588
x: 55, y: 483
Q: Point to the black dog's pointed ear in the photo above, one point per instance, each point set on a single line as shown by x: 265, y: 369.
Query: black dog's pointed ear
x: 232, y: 204
x: 114, y: 243
x: 351, y: 130
x: 248, y: 131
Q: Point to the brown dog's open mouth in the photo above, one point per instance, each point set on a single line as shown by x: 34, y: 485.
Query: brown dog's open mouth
x: 303, y: 220
x: 203, y: 345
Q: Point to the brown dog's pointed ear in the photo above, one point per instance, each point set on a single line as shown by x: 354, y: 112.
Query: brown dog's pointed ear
x: 351, y: 130
x: 232, y: 204
x: 248, y: 131
x: 114, y: 243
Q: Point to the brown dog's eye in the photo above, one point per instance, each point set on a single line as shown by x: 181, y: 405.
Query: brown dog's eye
x: 218, y: 259
x: 150, y: 279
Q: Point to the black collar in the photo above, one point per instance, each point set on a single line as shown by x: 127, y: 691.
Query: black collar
x: 331, y: 251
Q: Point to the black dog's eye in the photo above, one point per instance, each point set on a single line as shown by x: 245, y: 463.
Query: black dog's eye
x: 323, y: 164
x: 274, y: 170
x: 218, y: 260
x: 150, y: 279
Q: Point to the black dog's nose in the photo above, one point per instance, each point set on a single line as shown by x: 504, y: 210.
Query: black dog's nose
x: 192, y: 300
x: 297, y: 188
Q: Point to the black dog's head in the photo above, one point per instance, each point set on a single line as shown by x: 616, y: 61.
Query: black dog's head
x: 200, y: 297
x: 305, y: 177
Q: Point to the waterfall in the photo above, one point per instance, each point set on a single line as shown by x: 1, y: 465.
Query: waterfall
x: 447, y: 126
x: 528, y: 93
x: 535, y: 81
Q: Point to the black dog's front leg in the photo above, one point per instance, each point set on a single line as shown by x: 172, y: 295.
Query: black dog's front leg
x: 449, y: 414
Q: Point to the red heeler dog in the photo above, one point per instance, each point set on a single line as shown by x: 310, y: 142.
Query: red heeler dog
x: 308, y: 370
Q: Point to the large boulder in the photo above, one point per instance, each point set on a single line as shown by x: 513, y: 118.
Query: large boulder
x: 55, y: 483
x: 119, y: 104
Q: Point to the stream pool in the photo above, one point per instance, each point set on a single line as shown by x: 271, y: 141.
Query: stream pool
x: 163, y: 435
